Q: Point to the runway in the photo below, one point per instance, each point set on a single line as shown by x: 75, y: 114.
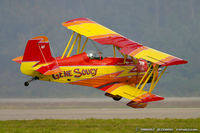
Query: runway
x: 30, y: 114
x: 29, y: 109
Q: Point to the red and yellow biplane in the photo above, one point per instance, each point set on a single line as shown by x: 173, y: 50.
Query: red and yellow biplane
x: 117, y: 77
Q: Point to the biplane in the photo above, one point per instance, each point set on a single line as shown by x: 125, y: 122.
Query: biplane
x: 118, y: 77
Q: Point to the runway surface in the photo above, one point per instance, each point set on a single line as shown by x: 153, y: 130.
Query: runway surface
x: 29, y: 109
x: 31, y: 114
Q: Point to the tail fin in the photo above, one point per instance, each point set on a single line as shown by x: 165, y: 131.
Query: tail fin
x: 37, y: 49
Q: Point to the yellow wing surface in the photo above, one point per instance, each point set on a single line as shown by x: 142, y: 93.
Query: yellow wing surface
x: 138, y: 97
x: 125, y: 90
x: 103, y: 35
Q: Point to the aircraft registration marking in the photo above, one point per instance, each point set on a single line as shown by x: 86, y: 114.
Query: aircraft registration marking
x: 76, y: 73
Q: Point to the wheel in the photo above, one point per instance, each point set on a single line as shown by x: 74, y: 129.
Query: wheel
x: 26, y: 83
x: 117, y: 98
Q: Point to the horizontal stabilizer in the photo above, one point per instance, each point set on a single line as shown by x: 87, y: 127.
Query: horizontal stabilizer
x: 18, y: 59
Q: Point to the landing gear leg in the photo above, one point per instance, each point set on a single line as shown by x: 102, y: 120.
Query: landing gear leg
x: 27, y: 82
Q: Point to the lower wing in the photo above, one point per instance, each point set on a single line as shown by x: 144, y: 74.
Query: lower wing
x: 139, y: 98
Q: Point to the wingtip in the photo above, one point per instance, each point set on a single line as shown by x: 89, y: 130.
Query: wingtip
x: 148, y: 97
x: 141, y: 101
x: 178, y: 62
x: 76, y: 21
x: 152, y: 97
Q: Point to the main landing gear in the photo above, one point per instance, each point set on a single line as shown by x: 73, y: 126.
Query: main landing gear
x: 27, y: 82
x: 115, y: 97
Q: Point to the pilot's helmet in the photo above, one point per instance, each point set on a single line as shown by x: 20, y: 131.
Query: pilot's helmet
x: 91, y: 54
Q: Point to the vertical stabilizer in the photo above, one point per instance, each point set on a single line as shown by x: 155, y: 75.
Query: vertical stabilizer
x: 37, y: 50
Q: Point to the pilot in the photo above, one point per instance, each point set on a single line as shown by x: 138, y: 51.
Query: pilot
x: 94, y: 55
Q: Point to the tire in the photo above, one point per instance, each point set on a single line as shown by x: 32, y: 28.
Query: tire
x: 26, y: 83
x: 117, y: 98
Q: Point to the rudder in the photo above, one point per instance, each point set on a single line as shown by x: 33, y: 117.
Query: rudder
x: 37, y: 51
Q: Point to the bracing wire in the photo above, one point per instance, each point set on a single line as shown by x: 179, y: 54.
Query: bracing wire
x: 96, y: 47
x: 53, y: 54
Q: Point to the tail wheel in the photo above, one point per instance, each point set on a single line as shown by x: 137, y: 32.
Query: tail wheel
x: 26, y: 83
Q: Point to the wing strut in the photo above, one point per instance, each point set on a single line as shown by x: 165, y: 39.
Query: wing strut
x: 79, y: 44
x: 67, y: 45
x: 151, y: 72
x: 77, y: 36
x: 84, y: 45
x: 79, y: 49
x: 155, y: 83
x: 144, y: 76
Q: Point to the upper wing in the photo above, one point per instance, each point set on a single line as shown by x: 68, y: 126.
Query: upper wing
x: 103, y: 35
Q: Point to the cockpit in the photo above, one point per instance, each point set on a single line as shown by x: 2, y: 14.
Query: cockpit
x: 94, y: 55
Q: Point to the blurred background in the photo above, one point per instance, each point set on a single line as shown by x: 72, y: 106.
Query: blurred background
x: 169, y: 26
